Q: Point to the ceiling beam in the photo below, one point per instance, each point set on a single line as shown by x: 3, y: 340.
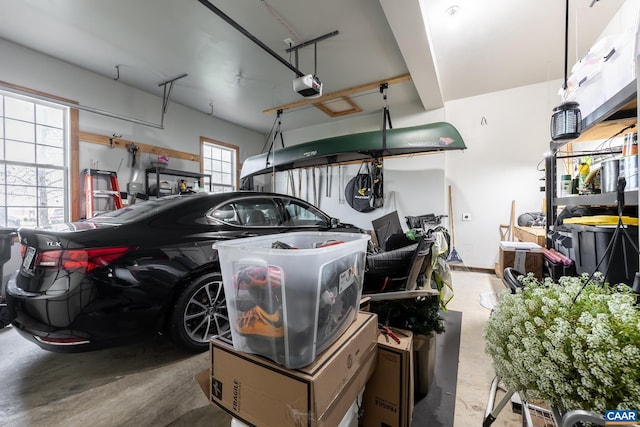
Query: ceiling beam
x: 409, y: 27
x: 339, y: 94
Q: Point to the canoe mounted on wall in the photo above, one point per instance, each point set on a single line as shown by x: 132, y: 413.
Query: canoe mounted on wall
x: 438, y: 136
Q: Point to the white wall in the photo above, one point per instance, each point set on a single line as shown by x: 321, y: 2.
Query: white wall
x: 182, y: 126
x: 503, y: 163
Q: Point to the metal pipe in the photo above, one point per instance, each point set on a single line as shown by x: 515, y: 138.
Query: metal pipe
x: 314, y: 41
x: 566, y: 44
x: 81, y: 107
x: 250, y: 36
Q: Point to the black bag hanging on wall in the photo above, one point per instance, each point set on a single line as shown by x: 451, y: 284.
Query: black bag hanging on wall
x: 359, y: 190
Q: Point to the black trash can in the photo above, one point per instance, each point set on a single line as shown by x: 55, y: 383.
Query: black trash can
x: 618, y: 262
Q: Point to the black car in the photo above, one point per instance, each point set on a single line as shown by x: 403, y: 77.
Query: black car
x: 146, y: 267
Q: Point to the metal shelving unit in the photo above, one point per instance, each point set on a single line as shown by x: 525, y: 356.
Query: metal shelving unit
x: 616, y: 114
x: 171, y: 172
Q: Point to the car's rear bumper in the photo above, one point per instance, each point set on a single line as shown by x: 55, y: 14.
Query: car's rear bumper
x: 48, y: 337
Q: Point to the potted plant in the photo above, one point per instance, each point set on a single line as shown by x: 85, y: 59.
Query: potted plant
x: 421, y: 316
x: 574, y: 344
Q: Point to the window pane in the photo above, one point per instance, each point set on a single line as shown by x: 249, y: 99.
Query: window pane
x: 1, y: 105
x: 49, y: 116
x: 50, y: 155
x: 26, y: 215
x: 226, y: 167
x: 14, y: 217
x: 52, y: 178
x: 21, y: 195
x: 206, y: 151
x: 216, y: 166
x: 20, y: 175
x: 215, y: 153
x: 19, y: 109
x: 20, y: 151
x: 21, y: 131
x: 52, y: 197
x: 221, y: 189
x: 49, y: 136
x: 226, y: 155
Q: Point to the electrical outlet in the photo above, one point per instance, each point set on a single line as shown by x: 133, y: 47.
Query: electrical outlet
x: 466, y: 217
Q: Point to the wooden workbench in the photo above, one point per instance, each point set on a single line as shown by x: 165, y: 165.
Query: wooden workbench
x: 531, y: 234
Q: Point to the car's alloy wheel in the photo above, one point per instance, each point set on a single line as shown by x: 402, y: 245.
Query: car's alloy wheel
x: 200, y: 313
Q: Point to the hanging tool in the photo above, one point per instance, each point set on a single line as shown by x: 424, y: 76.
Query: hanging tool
x: 328, y: 181
x: 133, y: 149
x: 316, y: 196
x: 340, y: 186
x: 291, y: 182
x: 113, y: 136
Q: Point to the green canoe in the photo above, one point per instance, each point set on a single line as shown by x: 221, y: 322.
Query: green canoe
x: 346, y: 148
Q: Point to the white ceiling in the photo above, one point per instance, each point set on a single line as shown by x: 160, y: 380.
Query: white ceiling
x: 487, y: 46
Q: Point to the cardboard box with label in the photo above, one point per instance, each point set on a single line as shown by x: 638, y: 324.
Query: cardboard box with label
x: 525, y: 257
x: 261, y: 393
x: 388, y: 396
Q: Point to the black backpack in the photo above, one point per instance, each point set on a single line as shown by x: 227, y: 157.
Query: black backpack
x: 359, y: 190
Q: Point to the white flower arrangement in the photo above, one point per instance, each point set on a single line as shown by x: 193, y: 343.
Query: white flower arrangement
x: 571, y: 355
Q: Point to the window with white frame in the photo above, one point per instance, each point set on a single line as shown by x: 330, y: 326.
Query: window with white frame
x: 219, y: 161
x: 34, y: 161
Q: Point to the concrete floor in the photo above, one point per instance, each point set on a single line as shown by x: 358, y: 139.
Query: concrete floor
x: 152, y: 383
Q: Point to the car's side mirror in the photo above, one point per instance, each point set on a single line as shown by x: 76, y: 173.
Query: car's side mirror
x: 334, y: 222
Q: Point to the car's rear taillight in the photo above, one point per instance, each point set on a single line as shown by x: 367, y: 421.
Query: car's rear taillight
x: 79, y: 259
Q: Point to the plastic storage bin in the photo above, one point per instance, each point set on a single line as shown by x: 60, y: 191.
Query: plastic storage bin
x: 591, y: 245
x: 291, y: 304
x: 562, y: 241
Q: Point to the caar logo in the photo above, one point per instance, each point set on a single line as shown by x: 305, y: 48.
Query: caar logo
x: 623, y: 417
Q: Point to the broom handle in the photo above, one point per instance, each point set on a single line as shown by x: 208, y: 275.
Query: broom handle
x: 452, y: 218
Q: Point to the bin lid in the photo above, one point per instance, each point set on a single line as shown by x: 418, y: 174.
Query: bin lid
x: 600, y: 220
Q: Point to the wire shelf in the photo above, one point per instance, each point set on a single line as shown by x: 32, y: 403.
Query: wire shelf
x: 537, y: 416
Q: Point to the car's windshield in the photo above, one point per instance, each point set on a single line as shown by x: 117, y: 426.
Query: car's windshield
x: 136, y: 210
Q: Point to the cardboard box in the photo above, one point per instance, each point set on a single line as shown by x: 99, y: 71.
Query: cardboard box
x: 523, y: 256
x: 424, y: 362
x: 259, y: 392
x: 388, y: 396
